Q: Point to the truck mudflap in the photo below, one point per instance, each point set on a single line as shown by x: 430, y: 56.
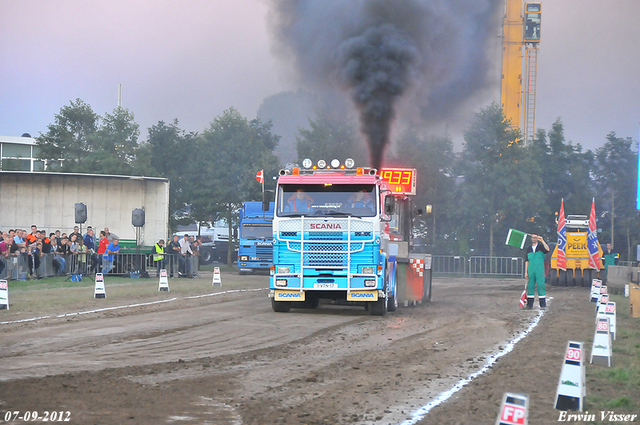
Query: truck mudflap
x: 354, y: 295
x: 287, y: 295
x: 371, y: 295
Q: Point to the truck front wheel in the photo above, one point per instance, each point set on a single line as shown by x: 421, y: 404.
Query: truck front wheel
x: 587, y: 277
x: 563, y: 277
x: 206, y: 256
x: 378, y: 308
x: 280, y: 306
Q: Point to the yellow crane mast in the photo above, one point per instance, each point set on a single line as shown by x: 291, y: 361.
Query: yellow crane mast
x: 520, y: 39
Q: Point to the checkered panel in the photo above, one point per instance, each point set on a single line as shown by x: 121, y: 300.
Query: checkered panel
x: 417, y: 265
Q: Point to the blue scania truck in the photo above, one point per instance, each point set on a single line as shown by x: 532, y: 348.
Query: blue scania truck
x: 333, y: 233
x: 255, y: 249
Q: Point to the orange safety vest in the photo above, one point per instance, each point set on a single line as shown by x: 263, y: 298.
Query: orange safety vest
x: 292, y: 200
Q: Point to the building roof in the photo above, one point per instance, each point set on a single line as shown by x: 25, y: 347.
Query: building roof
x: 112, y: 176
x: 18, y: 140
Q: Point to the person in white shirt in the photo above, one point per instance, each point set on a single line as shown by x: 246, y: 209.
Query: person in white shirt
x: 187, y: 253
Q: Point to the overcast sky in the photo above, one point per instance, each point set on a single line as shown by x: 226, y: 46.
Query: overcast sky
x: 193, y: 59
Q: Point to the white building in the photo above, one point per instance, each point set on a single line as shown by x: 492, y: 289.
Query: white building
x: 48, y: 200
x: 19, y: 154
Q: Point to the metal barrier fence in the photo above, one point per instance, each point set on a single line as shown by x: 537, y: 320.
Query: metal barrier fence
x: 477, y: 266
x: 176, y: 265
x: 24, y: 266
x: 496, y: 266
x: 47, y: 265
x: 448, y: 265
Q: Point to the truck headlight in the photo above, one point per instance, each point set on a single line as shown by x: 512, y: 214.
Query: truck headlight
x: 243, y: 258
x: 284, y: 269
x: 281, y: 283
x: 370, y: 283
x: 368, y: 270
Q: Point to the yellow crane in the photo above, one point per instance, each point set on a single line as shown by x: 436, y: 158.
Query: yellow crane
x: 520, y: 39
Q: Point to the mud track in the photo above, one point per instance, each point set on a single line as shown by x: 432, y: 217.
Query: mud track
x: 228, y: 359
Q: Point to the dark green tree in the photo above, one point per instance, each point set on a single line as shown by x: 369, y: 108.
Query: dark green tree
x: 170, y: 152
x: 565, y: 171
x: 433, y: 158
x: 229, y: 153
x: 501, y: 187
x: 80, y: 141
x: 70, y: 139
x: 117, y: 144
x: 616, y: 174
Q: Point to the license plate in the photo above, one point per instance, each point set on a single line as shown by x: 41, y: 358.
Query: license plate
x: 325, y: 285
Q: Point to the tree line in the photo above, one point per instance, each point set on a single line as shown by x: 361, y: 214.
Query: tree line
x: 495, y: 183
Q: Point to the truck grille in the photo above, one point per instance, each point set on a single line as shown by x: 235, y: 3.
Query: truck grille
x: 327, y: 236
x: 330, y: 248
x: 264, y: 252
x: 325, y: 260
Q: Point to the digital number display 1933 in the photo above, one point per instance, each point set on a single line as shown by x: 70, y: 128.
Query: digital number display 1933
x: 400, y: 180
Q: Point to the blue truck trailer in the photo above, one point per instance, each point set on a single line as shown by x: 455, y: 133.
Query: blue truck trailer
x: 255, y: 249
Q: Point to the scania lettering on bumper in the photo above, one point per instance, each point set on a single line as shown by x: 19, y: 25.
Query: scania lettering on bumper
x: 362, y: 296
x: 281, y: 295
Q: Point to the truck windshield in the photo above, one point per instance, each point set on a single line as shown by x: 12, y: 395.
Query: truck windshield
x: 326, y: 200
x: 256, y: 231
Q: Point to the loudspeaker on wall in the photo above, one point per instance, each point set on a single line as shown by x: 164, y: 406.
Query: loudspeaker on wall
x: 137, y: 217
x: 80, y: 212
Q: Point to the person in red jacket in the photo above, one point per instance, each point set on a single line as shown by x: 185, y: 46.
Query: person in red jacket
x: 102, y: 249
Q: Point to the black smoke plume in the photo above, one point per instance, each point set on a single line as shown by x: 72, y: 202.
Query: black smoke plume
x: 433, y: 53
x: 376, y: 66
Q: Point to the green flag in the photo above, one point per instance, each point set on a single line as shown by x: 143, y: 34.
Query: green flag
x: 516, y: 238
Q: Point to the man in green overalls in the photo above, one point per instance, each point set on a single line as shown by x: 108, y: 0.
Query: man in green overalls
x: 610, y: 258
x: 534, y: 270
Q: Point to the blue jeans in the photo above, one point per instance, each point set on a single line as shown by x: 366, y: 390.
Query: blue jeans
x: 63, y: 263
x: 107, y: 265
x: 162, y: 264
x: 187, y: 265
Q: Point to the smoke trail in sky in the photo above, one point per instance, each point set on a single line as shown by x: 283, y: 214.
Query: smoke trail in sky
x: 376, y: 65
x: 431, y: 52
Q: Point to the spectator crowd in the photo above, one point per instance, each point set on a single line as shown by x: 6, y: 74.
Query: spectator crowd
x: 35, y: 255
